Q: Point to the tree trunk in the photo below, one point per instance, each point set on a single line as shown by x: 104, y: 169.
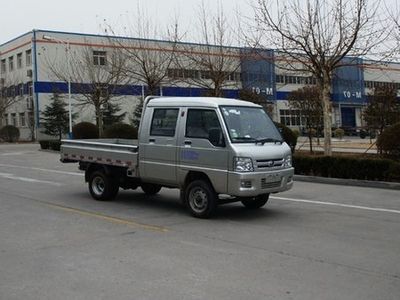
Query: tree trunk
x: 327, y: 109
x: 310, y: 139
x: 99, y: 121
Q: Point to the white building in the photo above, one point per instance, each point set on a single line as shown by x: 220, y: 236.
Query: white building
x: 29, y: 63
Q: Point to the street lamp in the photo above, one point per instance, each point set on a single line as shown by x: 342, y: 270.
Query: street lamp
x: 50, y: 38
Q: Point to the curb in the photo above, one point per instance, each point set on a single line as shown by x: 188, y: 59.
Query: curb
x: 349, y: 182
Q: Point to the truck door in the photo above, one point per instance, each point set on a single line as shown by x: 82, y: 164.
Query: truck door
x: 202, y: 147
x: 160, y: 147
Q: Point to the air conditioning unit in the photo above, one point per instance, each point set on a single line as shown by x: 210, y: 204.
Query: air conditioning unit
x: 29, y: 73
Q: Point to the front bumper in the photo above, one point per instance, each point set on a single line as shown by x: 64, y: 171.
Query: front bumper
x: 256, y: 183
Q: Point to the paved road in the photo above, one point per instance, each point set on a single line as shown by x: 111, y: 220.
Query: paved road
x: 313, y: 242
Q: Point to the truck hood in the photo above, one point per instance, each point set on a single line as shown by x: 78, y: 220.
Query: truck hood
x: 261, y: 152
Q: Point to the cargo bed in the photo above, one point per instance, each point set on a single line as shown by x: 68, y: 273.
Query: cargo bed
x: 115, y: 152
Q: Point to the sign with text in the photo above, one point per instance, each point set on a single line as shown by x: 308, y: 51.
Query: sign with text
x: 348, y: 82
x: 258, y: 72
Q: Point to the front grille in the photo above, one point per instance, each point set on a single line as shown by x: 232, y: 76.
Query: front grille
x: 270, y: 185
x: 270, y: 163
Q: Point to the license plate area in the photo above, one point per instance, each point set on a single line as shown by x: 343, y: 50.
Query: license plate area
x: 271, y: 181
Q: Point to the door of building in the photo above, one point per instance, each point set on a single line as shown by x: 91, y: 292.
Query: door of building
x: 348, y: 117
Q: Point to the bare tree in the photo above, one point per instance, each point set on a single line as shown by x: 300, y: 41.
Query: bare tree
x: 148, y: 59
x: 212, y: 63
x: 10, y: 92
x: 307, y: 101
x: 383, y: 108
x: 96, y: 74
x: 316, y: 35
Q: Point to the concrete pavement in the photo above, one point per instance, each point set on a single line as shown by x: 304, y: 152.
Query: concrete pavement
x: 317, y: 241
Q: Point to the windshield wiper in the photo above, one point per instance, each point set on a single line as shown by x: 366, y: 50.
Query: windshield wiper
x: 244, y: 138
x: 268, y: 140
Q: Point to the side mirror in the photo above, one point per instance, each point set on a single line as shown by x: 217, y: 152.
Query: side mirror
x: 216, y: 137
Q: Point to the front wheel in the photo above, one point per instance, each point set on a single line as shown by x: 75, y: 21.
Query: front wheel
x: 256, y: 202
x: 201, y: 199
x: 102, y: 187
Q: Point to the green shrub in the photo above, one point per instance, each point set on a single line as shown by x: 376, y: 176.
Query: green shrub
x: 388, y: 142
x: 50, y: 144
x: 85, y: 130
x: 339, y: 133
x: 44, y: 144
x: 288, y: 136
x: 55, y: 145
x: 347, y: 167
x: 121, y: 130
x: 9, y: 133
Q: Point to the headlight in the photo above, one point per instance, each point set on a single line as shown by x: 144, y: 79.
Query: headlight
x: 243, y: 164
x: 288, y: 161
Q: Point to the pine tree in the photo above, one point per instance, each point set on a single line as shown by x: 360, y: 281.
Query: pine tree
x: 111, y: 116
x: 137, y: 114
x: 55, y: 118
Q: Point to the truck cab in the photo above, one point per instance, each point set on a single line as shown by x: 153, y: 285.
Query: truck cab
x: 230, y: 145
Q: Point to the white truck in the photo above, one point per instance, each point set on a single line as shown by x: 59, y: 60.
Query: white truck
x: 215, y: 150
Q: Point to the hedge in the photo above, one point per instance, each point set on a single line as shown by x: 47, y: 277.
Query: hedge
x: 9, y: 133
x: 121, y: 130
x: 347, y: 167
x: 85, y: 130
x: 50, y: 144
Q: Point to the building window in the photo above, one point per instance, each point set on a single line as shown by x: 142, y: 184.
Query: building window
x: 28, y: 57
x: 19, y: 60
x: 99, y: 58
x: 280, y: 79
x: 11, y: 63
x: 30, y: 89
x: 291, y: 117
x: 5, y: 119
x: 21, y: 89
x: 3, y: 66
x: 14, y: 120
x: 22, y: 120
x: 31, y: 119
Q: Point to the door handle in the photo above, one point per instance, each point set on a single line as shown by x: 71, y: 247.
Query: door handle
x: 152, y: 140
x: 188, y: 142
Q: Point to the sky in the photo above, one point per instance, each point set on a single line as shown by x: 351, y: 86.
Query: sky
x: 21, y: 16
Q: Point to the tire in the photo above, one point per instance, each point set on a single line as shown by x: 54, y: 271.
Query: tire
x: 102, y: 187
x: 201, y: 199
x: 255, y: 202
x: 150, y: 189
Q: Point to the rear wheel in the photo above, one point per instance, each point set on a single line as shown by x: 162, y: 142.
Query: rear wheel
x: 255, y: 202
x: 201, y: 199
x: 150, y: 189
x: 102, y: 187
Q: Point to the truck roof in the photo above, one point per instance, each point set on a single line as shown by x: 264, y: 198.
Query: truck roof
x: 198, y: 101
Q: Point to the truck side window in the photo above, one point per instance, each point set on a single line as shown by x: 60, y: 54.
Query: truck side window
x: 164, y: 121
x: 204, y: 124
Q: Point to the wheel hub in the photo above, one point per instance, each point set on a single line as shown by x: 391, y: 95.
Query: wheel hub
x: 198, y: 200
x: 98, y: 185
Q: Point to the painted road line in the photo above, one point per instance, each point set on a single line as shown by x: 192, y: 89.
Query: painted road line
x: 16, y: 153
x: 106, y: 217
x: 41, y: 169
x: 26, y: 179
x: 378, y: 209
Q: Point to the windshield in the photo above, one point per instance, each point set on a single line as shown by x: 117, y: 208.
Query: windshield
x: 249, y: 124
